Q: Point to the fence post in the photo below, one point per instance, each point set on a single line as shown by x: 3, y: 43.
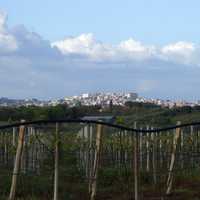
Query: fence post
x: 93, y: 182
x: 182, y: 149
x: 90, y: 138
x: 192, y: 143
x: 170, y: 174
x: 17, y: 162
x: 148, y: 150
x: 140, y: 148
x: 136, y: 163
x: 153, y: 141
x: 57, y: 138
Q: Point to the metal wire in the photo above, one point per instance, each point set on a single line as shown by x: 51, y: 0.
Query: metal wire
x: 37, y: 122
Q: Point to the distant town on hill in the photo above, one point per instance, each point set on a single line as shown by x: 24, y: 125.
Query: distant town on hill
x: 92, y: 99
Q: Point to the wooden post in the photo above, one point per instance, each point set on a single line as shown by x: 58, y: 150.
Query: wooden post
x: 140, y: 148
x: 90, y: 138
x: 192, y: 149
x: 5, y: 148
x: 14, y: 142
x: 170, y: 174
x: 148, y: 150
x: 167, y: 150
x: 14, y: 137
x: 57, y: 138
x: 160, y: 149
x: 86, y: 151
x: 136, y: 194
x: 182, y: 149
x: 153, y: 141
x: 93, y: 182
x: 17, y: 162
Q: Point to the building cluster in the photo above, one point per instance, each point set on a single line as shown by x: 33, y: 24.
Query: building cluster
x: 103, y: 99
x: 5, y: 102
x: 92, y: 99
x: 169, y: 103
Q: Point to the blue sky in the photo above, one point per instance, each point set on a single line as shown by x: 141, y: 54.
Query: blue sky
x: 51, y: 49
x: 150, y: 21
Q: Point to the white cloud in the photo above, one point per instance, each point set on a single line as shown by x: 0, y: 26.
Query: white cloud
x: 7, y: 41
x: 43, y: 69
x: 182, y: 48
x: 87, y: 45
x: 20, y: 41
x: 3, y: 19
x: 83, y: 44
x: 181, y: 52
x: 130, y: 50
x: 136, y: 50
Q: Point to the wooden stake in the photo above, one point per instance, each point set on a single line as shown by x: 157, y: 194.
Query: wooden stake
x: 17, y: 162
x: 182, y: 149
x: 55, y: 197
x: 148, y: 150
x: 136, y: 164
x: 90, y: 154
x: 140, y: 148
x: 170, y: 174
x: 93, y: 183
x: 153, y: 141
x: 14, y: 137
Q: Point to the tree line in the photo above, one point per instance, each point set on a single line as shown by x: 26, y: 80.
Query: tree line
x: 130, y: 112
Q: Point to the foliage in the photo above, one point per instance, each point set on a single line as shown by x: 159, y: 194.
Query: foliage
x: 144, y: 113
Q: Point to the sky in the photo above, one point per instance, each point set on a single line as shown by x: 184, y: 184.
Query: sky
x: 52, y: 49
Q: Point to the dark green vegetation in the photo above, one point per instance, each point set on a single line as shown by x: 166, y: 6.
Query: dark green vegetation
x: 143, y: 113
x: 37, y: 113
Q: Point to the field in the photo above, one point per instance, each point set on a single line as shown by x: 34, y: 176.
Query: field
x: 92, y: 161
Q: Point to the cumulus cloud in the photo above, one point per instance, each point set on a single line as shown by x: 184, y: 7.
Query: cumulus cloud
x: 8, y: 42
x: 31, y: 66
x: 135, y: 49
x: 87, y: 45
x: 182, y: 52
x: 84, y: 44
x: 19, y: 41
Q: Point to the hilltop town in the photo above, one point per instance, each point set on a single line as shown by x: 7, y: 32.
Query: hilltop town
x: 91, y: 99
